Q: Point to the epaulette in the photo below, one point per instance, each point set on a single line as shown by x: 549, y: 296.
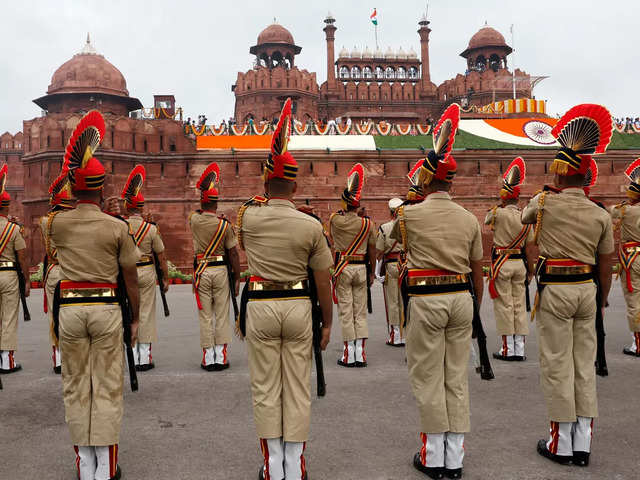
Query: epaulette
x: 403, y: 227
x: 256, y: 201
x: 493, y: 211
x: 536, y: 230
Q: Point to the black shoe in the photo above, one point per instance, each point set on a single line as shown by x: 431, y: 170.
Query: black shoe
x: 361, y: 364
x: 118, y: 473
x: 218, y: 367
x: 544, y: 451
x: 628, y: 351
x: 504, y: 358
x: 431, y: 472
x: 145, y: 367
x: 344, y: 364
x: 581, y: 459
x: 453, y: 472
x: 518, y: 358
x: 209, y: 368
x: 395, y: 344
x: 5, y: 371
x: 57, y: 370
x: 261, y: 474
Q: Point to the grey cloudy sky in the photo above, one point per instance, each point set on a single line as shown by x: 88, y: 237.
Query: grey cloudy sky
x: 194, y: 49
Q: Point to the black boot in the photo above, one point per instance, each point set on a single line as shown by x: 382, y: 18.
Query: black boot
x: 431, y: 472
x: 581, y: 459
x: 57, y: 370
x: 118, y: 473
x: 504, y: 358
x: 145, y: 367
x: 544, y: 451
x: 453, y: 472
x: 5, y: 371
x: 345, y: 364
x: 628, y: 351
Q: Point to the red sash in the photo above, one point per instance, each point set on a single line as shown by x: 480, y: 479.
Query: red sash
x: 215, y: 242
x: 362, y: 235
x: 627, y: 259
x: 500, y: 261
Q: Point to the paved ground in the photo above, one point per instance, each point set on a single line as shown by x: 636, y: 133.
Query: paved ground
x: 186, y: 423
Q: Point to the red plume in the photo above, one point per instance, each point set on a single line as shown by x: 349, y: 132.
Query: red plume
x: 414, y: 174
x: 585, y: 129
x: 85, y: 140
x: 3, y: 177
x: 444, y: 133
x: 355, y: 180
x: 280, y: 138
x: 591, y: 177
x: 633, y: 171
x: 515, y: 172
x: 209, y: 178
x: 134, y: 183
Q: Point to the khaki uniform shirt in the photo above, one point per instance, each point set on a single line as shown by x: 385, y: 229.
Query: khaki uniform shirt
x: 343, y: 230
x: 572, y: 226
x: 151, y: 241
x: 282, y: 242
x: 441, y: 235
x: 91, y: 244
x: 15, y: 243
x: 507, y: 225
x: 43, y: 228
x: 203, y: 227
x: 627, y: 216
x: 384, y: 242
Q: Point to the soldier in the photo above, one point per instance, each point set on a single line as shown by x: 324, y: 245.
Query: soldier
x: 282, y: 244
x: 13, y: 258
x: 146, y: 236
x: 626, y: 217
x: 388, y: 270
x: 92, y: 248
x: 214, y: 244
x: 575, y: 239
x: 511, y: 265
x: 59, y: 199
x: 354, y: 242
x: 443, y: 244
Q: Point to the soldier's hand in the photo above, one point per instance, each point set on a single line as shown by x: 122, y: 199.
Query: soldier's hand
x: 27, y: 288
x: 237, y: 288
x: 134, y: 331
x: 529, y: 277
x: 370, y: 279
x: 165, y: 285
x: 326, y: 335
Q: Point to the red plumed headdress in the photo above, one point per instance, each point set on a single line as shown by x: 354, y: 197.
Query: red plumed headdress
x: 583, y: 131
x: 60, y: 191
x: 416, y: 193
x: 439, y: 163
x: 85, y: 171
x: 281, y: 163
x: 591, y: 177
x: 355, y: 181
x: 513, y: 177
x: 131, y: 191
x: 5, y: 198
x: 208, y: 183
x: 633, y: 174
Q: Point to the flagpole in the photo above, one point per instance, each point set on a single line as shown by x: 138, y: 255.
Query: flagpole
x: 376, y: 30
x: 513, y: 66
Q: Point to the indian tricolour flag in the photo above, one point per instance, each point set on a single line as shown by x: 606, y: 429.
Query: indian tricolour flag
x: 374, y: 17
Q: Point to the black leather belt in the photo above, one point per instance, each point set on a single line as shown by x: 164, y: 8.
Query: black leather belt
x: 418, y: 290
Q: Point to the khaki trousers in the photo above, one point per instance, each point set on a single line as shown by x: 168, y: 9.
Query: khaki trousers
x: 148, y: 330
x: 392, y: 296
x: 632, y: 299
x: 438, y: 345
x: 352, y: 302
x: 215, y: 297
x: 9, y: 307
x: 567, y: 341
x: 510, y: 307
x: 55, y: 275
x: 279, y: 340
x: 92, y: 351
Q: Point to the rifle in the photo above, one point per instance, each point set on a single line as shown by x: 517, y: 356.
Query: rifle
x: 127, y: 315
x: 316, y: 318
x: 486, y: 373
x: 368, y: 265
x: 232, y: 284
x: 526, y: 282
x: 156, y: 263
x: 601, y: 358
x: 23, y: 298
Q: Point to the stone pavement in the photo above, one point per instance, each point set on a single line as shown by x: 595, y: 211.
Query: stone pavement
x: 185, y: 423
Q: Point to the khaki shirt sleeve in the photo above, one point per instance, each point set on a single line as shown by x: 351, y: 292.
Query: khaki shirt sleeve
x: 320, y: 257
x: 606, y: 245
x: 230, y: 239
x: 475, y: 255
x: 128, y: 253
x: 530, y: 212
x: 18, y: 241
x: 491, y: 215
x: 156, y: 243
x: 615, y: 212
x: 380, y: 242
x: 373, y: 234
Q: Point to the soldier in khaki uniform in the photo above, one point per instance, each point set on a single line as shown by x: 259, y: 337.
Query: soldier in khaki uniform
x: 12, y: 257
x: 626, y: 217
x: 573, y: 235
x: 509, y: 274
x: 92, y: 247
x: 147, y: 238
x: 60, y: 200
x: 387, y: 271
x: 283, y: 246
x: 354, y: 243
x: 443, y: 245
x: 215, y: 247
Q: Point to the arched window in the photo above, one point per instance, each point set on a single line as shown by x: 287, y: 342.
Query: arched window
x: 355, y: 72
x: 481, y: 63
x: 379, y: 73
x: 401, y: 73
x: 276, y: 59
x: 344, y: 72
x: 413, y: 73
x: 389, y: 73
x: 494, y: 62
x: 366, y: 73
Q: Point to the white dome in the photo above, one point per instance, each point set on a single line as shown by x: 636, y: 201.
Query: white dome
x: 367, y: 53
x: 412, y: 53
x: 389, y: 53
x: 401, y: 55
x: 344, y: 52
x: 355, y: 53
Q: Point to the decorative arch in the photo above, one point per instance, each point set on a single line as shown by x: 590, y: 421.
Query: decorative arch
x: 367, y: 73
x: 389, y: 73
x: 344, y: 72
x: 379, y: 73
x: 355, y: 72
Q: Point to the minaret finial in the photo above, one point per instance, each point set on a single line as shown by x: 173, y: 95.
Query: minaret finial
x: 88, y: 48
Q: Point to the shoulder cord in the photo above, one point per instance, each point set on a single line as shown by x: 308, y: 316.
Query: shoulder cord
x: 536, y: 231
